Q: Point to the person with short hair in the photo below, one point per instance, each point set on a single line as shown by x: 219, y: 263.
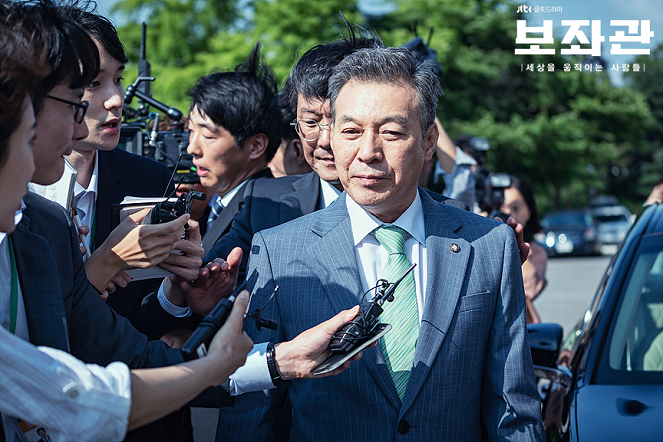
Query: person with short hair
x: 234, y: 131
x: 456, y: 362
x: 289, y: 158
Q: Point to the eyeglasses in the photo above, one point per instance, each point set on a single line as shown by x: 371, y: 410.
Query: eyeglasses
x: 309, y: 130
x: 79, y: 108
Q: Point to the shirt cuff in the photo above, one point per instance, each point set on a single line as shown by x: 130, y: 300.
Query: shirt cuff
x: 253, y: 375
x: 170, y: 308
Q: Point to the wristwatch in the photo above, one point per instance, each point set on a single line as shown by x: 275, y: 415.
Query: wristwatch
x: 271, y: 364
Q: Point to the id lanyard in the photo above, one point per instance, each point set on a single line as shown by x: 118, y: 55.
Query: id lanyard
x: 13, y: 309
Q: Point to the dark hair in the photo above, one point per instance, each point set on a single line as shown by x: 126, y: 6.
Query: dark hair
x: 71, y: 54
x: 288, y: 115
x: 533, y: 226
x: 310, y: 74
x: 99, y: 28
x: 392, y: 66
x: 21, y: 69
x: 242, y: 101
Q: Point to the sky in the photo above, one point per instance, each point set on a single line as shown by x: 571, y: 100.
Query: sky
x: 603, y: 10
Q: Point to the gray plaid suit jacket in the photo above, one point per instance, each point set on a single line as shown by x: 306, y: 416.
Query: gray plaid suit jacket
x: 472, y: 364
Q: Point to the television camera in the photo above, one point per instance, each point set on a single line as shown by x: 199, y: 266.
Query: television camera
x: 489, y: 189
x: 164, y: 146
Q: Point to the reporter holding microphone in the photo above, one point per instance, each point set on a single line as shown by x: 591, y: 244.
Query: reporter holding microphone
x: 98, y: 403
x: 50, y: 387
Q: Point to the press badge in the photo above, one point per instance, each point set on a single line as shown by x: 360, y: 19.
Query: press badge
x: 29, y: 432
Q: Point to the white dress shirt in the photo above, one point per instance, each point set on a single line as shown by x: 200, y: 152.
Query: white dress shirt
x: 85, y: 199
x: 329, y: 193
x: 372, y: 257
x: 460, y: 183
x: 72, y: 400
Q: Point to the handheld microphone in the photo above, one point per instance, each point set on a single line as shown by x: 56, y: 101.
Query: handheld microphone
x: 197, y: 344
x: 351, y: 334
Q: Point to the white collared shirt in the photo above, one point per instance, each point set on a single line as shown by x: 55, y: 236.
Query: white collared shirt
x: 85, y: 199
x: 51, y: 388
x: 372, y: 257
x: 225, y: 200
x: 329, y: 193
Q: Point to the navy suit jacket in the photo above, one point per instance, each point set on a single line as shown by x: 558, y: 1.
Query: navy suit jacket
x: 65, y: 312
x: 272, y: 203
x: 472, y: 364
x: 124, y: 174
x: 221, y: 225
x: 63, y: 309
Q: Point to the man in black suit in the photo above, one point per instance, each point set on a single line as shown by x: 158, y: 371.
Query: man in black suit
x: 234, y: 132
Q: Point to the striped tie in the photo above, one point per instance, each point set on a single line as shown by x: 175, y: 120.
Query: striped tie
x: 217, y: 208
x: 398, y: 345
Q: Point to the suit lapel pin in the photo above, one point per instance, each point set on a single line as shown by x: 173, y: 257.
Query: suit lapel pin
x: 454, y: 248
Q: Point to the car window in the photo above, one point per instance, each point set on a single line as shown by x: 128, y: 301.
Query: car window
x: 611, y: 218
x: 571, y: 220
x: 635, y: 341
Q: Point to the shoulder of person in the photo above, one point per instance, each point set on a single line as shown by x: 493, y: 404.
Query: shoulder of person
x: 268, y: 184
x: 446, y: 200
x: 43, y: 207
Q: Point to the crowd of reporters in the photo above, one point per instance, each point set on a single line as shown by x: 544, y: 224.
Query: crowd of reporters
x: 81, y: 341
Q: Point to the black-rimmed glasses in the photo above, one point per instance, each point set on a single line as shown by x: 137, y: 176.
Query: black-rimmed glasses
x: 79, y: 108
x: 309, y: 130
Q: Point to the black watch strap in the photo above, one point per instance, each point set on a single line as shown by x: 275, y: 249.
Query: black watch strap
x: 271, y: 364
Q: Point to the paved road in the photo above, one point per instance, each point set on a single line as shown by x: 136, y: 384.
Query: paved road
x: 572, y: 283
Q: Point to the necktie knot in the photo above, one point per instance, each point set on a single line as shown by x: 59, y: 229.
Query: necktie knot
x: 392, y: 238
x: 217, y: 208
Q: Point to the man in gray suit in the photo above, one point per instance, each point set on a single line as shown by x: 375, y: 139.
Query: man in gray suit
x: 456, y: 365
x: 269, y: 203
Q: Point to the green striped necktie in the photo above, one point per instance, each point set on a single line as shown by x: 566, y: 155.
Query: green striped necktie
x: 398, y: 345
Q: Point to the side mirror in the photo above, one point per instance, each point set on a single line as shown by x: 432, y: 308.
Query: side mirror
x: 545, y: 341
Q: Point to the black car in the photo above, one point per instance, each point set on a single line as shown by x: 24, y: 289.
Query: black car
x: 569, y: 232
x: 606, y: 381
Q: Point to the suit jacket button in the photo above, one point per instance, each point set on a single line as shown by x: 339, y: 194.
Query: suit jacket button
x: 403, y: 427
x: 454, y: 248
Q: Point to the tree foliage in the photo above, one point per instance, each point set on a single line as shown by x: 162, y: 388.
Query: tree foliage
x: 571, y: 134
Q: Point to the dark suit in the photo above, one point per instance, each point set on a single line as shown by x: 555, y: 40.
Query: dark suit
x: 272, y: 203
x: 221, y: 225
x: 124, y: 174
x: 472, y: 362
x: 63, y: 309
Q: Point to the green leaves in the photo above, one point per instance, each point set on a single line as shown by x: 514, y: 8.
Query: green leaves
x: 567, y: 132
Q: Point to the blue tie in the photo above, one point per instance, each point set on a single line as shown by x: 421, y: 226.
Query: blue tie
x: 399, y: 344
x: 217, y: 208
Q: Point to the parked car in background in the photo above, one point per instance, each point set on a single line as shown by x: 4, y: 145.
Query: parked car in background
x: 613, y: 223
x: 606, y: 381
x: 603, y: 201
x: 569, y: 232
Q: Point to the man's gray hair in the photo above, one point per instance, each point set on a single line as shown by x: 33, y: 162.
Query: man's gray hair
x: 392, y: 66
